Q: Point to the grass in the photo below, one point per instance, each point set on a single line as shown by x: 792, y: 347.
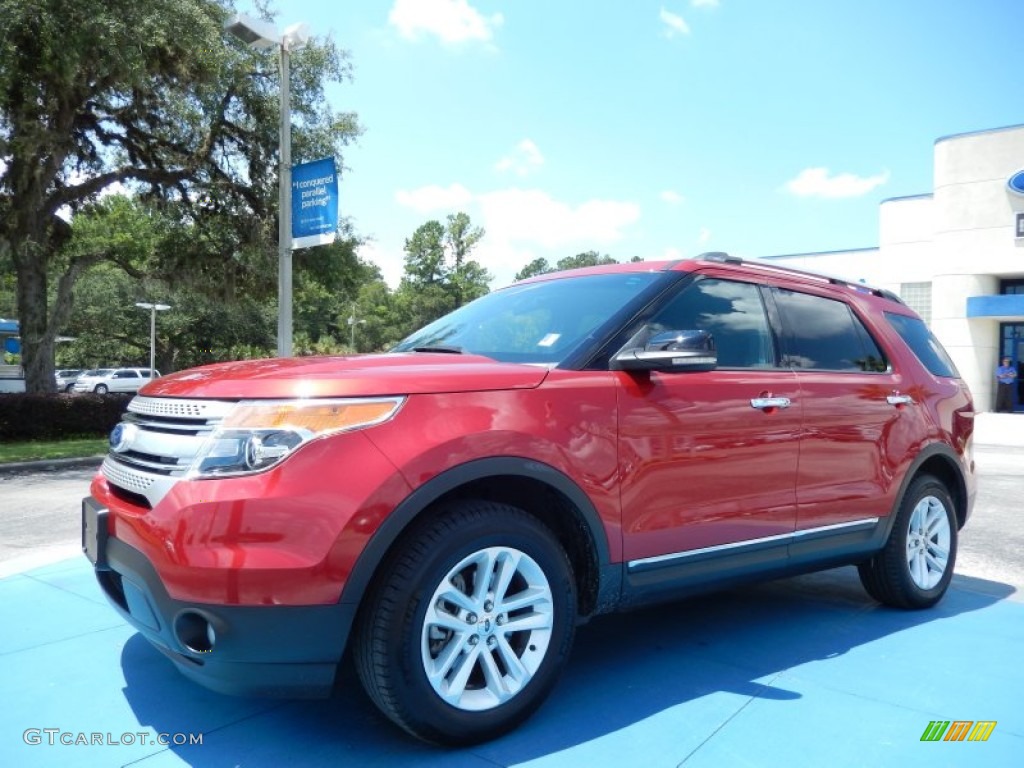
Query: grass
x: 30, y: 450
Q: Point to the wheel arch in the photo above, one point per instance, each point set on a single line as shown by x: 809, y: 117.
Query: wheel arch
x: 942, y: 463
x: 537, y: 488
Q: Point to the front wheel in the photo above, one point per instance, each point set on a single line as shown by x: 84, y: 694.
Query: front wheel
x: 101, y: 389
x: 915, y: 567
x: 468, y: 626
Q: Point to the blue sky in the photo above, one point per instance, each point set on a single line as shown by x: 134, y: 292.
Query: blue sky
x: 656, y: 129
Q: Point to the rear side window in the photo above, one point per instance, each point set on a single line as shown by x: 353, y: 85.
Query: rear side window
x: 824, y: 334
x: 923, y: 344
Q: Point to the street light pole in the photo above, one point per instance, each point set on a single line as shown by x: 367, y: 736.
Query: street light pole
x: 153, y: 308
x: 353, y: 322
x: 284, y: 229
x: 262, y: 35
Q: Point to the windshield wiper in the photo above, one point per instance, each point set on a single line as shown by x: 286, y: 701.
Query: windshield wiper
x: 440, y: 348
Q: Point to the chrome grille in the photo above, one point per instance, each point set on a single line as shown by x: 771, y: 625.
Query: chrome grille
x: 167, y: 434
x: 129, y: 479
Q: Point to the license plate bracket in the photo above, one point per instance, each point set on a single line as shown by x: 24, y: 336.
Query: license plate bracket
x: 94, y: 532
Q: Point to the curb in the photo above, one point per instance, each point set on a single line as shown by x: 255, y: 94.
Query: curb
x: 51, y: 465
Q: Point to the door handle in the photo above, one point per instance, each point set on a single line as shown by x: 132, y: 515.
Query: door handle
x: 763, y: 403
x: 897, y: 399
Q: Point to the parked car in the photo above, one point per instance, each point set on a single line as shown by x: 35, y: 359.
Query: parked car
x: 66, y: 378
x: 577, y: 443
x: 103, y: 380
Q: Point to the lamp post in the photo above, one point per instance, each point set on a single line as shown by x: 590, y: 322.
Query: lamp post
x: 262, y: 35
x: 153, y: 309
x: 353, y: 321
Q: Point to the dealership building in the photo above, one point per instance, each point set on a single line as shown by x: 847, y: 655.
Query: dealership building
x: 955, y: 255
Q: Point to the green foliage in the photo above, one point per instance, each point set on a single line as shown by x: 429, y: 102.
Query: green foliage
x: 536, y: 267
x: 439, y: 274
x: 586, y: 259
x: 49, y: 417
x: 65, y: 448
x: 156, y: 97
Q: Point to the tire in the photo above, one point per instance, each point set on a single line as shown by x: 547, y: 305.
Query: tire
x: 69, y: 388
x: 454, y: 663
x: 915, y: 567
x: 101, y: 389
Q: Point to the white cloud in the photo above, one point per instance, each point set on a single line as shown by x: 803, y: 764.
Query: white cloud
x: 704, y: 3
x: 525, y: 158
x: 704, y: 236
x: 390, y: 261
x: 434, y: 198
x: 520, y: 225
x: 674, y: 23
x: 672, y: 197
x: 672, y: 254
x: 816, y: 182
x: 531, y: 215
x: 451, y: 21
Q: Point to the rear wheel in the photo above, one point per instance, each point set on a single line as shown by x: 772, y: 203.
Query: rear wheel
x: 915, y: 567
x: 467, y: 628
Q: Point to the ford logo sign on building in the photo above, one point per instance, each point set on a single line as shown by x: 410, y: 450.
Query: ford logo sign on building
x: 1016, y: 183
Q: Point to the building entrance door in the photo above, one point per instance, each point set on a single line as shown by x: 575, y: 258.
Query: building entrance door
x: 1011, y: 345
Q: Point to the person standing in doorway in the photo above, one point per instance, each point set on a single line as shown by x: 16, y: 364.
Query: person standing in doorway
x: 1006, y: 374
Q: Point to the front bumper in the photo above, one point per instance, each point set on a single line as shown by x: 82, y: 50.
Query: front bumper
x: 266, y: 650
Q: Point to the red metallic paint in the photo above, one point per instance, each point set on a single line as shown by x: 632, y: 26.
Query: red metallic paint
x: 288, y: 536
x: 360, y: 376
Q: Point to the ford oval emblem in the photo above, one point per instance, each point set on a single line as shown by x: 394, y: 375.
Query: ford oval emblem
x: 1016, y: 183
x: 122, y: 436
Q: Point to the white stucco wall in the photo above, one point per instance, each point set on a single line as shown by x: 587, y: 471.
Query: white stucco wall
x: 959, y: 237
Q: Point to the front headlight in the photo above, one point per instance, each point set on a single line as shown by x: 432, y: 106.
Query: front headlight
x: 258, y: 434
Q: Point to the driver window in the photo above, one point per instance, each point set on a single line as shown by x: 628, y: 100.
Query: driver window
x: 732, y: 312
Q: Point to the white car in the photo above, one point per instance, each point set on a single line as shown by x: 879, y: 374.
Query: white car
x: 103, y: 380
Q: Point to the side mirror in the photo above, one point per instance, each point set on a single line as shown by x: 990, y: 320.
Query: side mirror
x: 670, y: 351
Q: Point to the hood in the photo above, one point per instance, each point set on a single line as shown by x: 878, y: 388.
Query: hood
x: 408, y: 373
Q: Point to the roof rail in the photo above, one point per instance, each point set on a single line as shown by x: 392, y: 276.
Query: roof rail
x: 722, y: 257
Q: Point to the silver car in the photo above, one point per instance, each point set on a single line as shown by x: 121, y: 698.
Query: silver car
x: 66, y: 378
x: 103, y: 380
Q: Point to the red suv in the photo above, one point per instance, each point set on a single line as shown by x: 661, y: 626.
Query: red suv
x: 575, y: 444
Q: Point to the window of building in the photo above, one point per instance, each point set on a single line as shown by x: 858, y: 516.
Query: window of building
x: 1011, y: 287
x: 918, y: 296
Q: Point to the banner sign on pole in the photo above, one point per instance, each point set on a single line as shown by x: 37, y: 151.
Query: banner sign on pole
x: 314, y: 203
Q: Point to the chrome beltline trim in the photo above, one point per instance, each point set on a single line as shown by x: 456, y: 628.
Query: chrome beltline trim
x: 781, y: 537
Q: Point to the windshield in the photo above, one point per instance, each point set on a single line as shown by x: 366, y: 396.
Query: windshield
x: 532, y: 323
x: 98, y: 372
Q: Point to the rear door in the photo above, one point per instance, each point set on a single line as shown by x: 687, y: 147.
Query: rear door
x: 858, y: 412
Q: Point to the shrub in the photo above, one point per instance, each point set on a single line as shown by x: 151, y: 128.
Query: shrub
x: 51, y: 417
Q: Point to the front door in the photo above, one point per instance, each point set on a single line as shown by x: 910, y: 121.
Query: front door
x: 706, y: 459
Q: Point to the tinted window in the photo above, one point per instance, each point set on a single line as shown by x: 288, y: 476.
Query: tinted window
x: 732, y: 312
x: 824, y: 334
x: 126, y: 375
x: 923, y: 344
x: 538, y: 322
